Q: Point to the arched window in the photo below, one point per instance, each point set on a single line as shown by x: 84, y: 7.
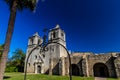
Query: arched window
x: 35, y: 56
x: 31, y: 41
x: 38, y: 41
x: 62, y: 34
x: 54, y: 35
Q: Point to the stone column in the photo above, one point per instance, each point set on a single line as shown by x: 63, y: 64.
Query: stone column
x: 35, y: 68
x: 118, y: 72
x: 42, y: 68
x: 50, y: 66
x: 67, y: 66
x: 63, y: 66
x: 117, y: 66
x: 87, y: 67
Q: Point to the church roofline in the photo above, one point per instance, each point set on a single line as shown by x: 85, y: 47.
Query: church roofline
x: 80, y: 52
x: 95, y: 52
x: 56, y: 28
x: 35, y: 34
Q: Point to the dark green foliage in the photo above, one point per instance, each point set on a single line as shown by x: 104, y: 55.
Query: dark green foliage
x: 16, y: 62
x: 11, y: 69
x: 21, y: 4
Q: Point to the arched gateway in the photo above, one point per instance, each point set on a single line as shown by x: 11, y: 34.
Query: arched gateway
x: 75, y: 70
x: 100, y: 70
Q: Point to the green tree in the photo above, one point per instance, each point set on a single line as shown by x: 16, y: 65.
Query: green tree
x: 14, y: 6
x: 17, y: 60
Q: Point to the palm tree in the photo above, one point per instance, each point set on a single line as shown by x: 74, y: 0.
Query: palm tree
x: 14, y: 6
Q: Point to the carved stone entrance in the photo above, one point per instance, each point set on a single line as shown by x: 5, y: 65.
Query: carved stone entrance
x: 39, y: 69
x: 75, y: 70
x: 100, y: 70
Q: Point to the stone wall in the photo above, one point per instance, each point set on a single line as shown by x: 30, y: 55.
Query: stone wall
x: 86, y: 63
x: 117, y: 66
x: 103, y: 59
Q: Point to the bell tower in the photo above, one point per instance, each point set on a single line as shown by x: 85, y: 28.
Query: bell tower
x: 34, y: 40
x: 57, y: 35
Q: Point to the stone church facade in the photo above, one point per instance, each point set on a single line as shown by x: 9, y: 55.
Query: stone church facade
x: 55, y: 61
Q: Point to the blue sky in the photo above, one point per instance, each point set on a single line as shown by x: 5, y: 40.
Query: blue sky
x: 90, y: 25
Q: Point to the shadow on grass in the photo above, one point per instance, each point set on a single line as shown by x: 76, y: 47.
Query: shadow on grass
x: 6, y: 77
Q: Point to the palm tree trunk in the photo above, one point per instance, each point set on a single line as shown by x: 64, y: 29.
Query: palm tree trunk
x: 8, y: 39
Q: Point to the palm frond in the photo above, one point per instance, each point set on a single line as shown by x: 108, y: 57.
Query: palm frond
x: 10, y: 3
x: 21, y: 4
x: 31, y: 4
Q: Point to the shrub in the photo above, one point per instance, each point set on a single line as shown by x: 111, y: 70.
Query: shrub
x: 11, y: 69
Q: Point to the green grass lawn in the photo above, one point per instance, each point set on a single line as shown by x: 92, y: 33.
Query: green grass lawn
x: 20, y: 76
x: 113, y: 79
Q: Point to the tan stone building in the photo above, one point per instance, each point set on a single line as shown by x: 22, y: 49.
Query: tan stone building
x: 54, y: 60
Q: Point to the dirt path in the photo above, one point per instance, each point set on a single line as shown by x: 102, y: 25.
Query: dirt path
x: 100, y: 78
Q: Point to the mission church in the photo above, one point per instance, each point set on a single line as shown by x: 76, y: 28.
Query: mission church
x: 55, y: 61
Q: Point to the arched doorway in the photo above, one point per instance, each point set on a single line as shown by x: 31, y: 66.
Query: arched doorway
x: 75, y: 70
x: 100, y: 70
x: 39, y: 69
